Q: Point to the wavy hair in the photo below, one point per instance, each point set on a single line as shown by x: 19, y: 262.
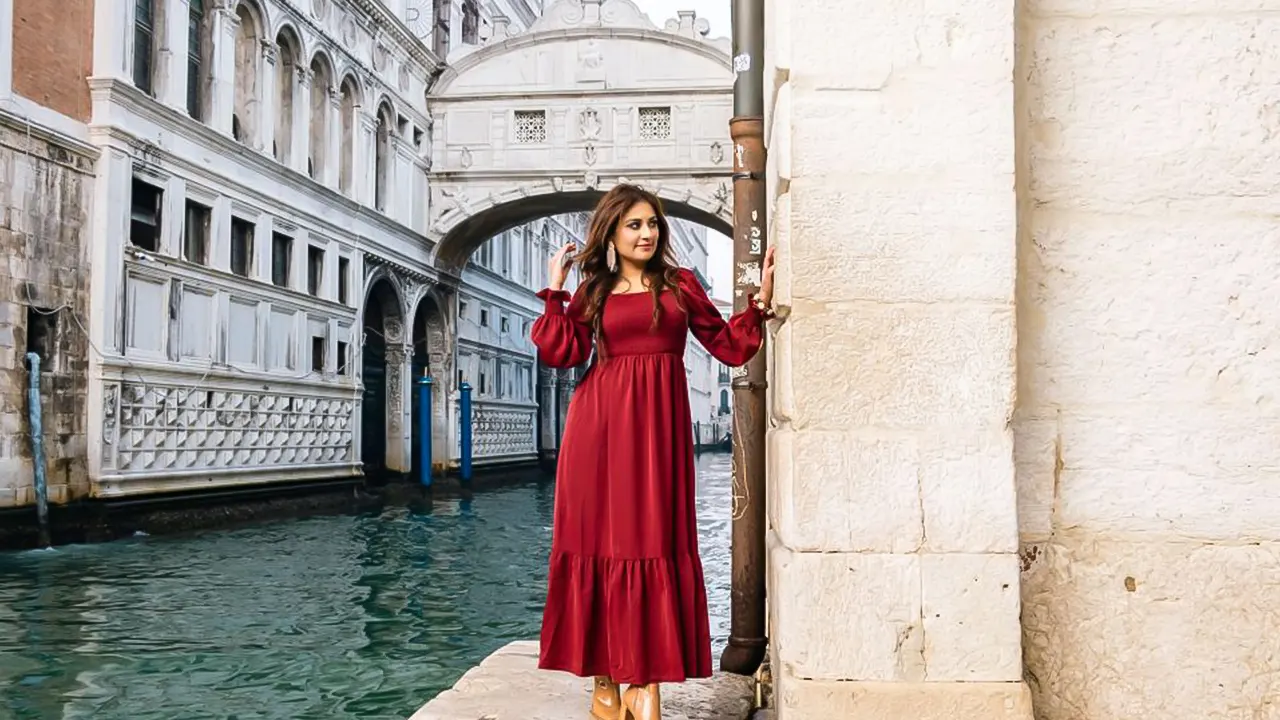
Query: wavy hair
x: 661, y: 273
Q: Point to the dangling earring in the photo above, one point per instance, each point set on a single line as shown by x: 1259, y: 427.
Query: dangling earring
x: 611, y: 258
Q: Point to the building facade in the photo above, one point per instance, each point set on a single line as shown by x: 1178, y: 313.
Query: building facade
x: 248, y: 294
x: 1019, y: 394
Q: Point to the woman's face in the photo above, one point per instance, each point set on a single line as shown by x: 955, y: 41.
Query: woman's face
x: 637, y: 235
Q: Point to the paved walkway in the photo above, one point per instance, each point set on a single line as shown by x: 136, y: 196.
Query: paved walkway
x: 509, y: 686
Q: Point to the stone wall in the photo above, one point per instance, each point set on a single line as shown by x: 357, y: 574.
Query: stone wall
x: 893, y: 567
x: 1147, y: 316
x: 45, y: 191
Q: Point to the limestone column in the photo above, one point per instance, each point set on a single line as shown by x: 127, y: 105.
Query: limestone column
x: 333, y: 139
x: 399, y: 383
x: 267, y: 101
x: 400, y: 194
x: 112, y: 38
x: 893, y: 569
x: 223, y: 70
x: 176, y: 15
x: 300, y: 141
x: 363, y: 155
x: 109, y: 234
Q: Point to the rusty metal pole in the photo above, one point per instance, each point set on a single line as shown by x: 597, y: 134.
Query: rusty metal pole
x: 747, y: 642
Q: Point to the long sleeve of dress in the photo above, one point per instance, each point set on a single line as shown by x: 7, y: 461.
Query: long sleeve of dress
x: 733, y: 342
x: 562, y: 338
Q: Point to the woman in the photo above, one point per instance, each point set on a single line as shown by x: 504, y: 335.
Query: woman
x: 625, y: 599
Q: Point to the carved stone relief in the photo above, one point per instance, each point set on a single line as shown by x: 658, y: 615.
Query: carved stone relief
x: 589, y: 154
x: 589, y: 124
x: 170, y: 427
x: 717, y: 153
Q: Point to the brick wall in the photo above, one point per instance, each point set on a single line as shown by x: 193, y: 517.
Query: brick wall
x: 53, y: 53
x: 45, y: 193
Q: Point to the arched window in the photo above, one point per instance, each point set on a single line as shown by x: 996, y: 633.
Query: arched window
x: 197, y: 51
x: 347, y: 110
x: 290, y: 52
x: 321, y: 79
x: 244, y: 118
x: 382, y: 156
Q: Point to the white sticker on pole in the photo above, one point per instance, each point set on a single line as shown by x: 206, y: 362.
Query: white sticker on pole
x: 741, y: 63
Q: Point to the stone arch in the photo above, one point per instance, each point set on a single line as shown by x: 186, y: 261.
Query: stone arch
x: 247, y: 81
x: 432, y: 342
x: 321, y: 69
x: 466, y: 225
x: 289, y: 55
x: 384, y: 133
x: 383, y: 374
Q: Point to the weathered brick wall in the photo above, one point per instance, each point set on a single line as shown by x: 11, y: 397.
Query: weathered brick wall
x: 53, y: 54
x: 45, y: 193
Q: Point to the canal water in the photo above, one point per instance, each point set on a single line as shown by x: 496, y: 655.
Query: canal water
x: 330, y: 618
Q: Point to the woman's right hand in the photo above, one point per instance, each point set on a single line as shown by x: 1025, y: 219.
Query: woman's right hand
x: 558, y: 266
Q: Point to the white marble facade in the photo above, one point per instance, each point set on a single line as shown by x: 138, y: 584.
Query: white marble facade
x: 275, y: 201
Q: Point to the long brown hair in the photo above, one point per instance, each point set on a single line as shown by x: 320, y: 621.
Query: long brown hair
x: 661, y: 273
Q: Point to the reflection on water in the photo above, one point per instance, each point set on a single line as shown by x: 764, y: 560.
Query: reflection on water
x: 337, y: 617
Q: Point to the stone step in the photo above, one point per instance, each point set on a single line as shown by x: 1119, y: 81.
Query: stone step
x: 509, y: 686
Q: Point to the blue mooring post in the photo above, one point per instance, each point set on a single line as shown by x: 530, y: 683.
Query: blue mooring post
x: 424, y: 430
x: 464, y: 413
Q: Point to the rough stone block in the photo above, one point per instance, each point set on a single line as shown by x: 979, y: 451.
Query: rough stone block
x: 899, y: 366
x: 970, y: 610
x: 892, y: 242
x: 1151, y: 626
x: 847, y: 616
x: 846, y: 491
x: 1101, y: 89
x: 1036, y: 446
x: 1210, y: 345
x: 889, y: 135
x: 867, y: 45
x: 967, y: 490
x: 813, y: 700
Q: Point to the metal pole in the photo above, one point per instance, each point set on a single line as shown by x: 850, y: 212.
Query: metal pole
x: 36, y: 418
x: 424, y: 430
x: 464, y: 410
x: 747, y: 643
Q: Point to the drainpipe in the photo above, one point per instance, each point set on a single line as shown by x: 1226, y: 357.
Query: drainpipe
x: 37, y: 446
x: 747, y: 643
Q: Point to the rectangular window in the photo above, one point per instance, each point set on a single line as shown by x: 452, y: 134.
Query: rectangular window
x: 344, y: 279
x: 42, y: 335
x: 195, y: 32
x: 144, y: 21
x: 655, y: 123
x: 531, y: 127
x: 144, y: 217
x: 342, y: 358
x: 241, y: 247
x: 506, y: 324
x: 315, y: 269
x: 281, y: 248
x: 317, y: 353
x: 195, y: 240
x: 484, y: 317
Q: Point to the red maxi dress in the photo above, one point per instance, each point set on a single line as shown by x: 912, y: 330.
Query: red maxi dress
x: 625, y: 595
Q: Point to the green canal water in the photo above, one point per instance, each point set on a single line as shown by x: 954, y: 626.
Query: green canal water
x: 364, y: 616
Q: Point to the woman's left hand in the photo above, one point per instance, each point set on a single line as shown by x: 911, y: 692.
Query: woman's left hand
x: 766, y: 278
